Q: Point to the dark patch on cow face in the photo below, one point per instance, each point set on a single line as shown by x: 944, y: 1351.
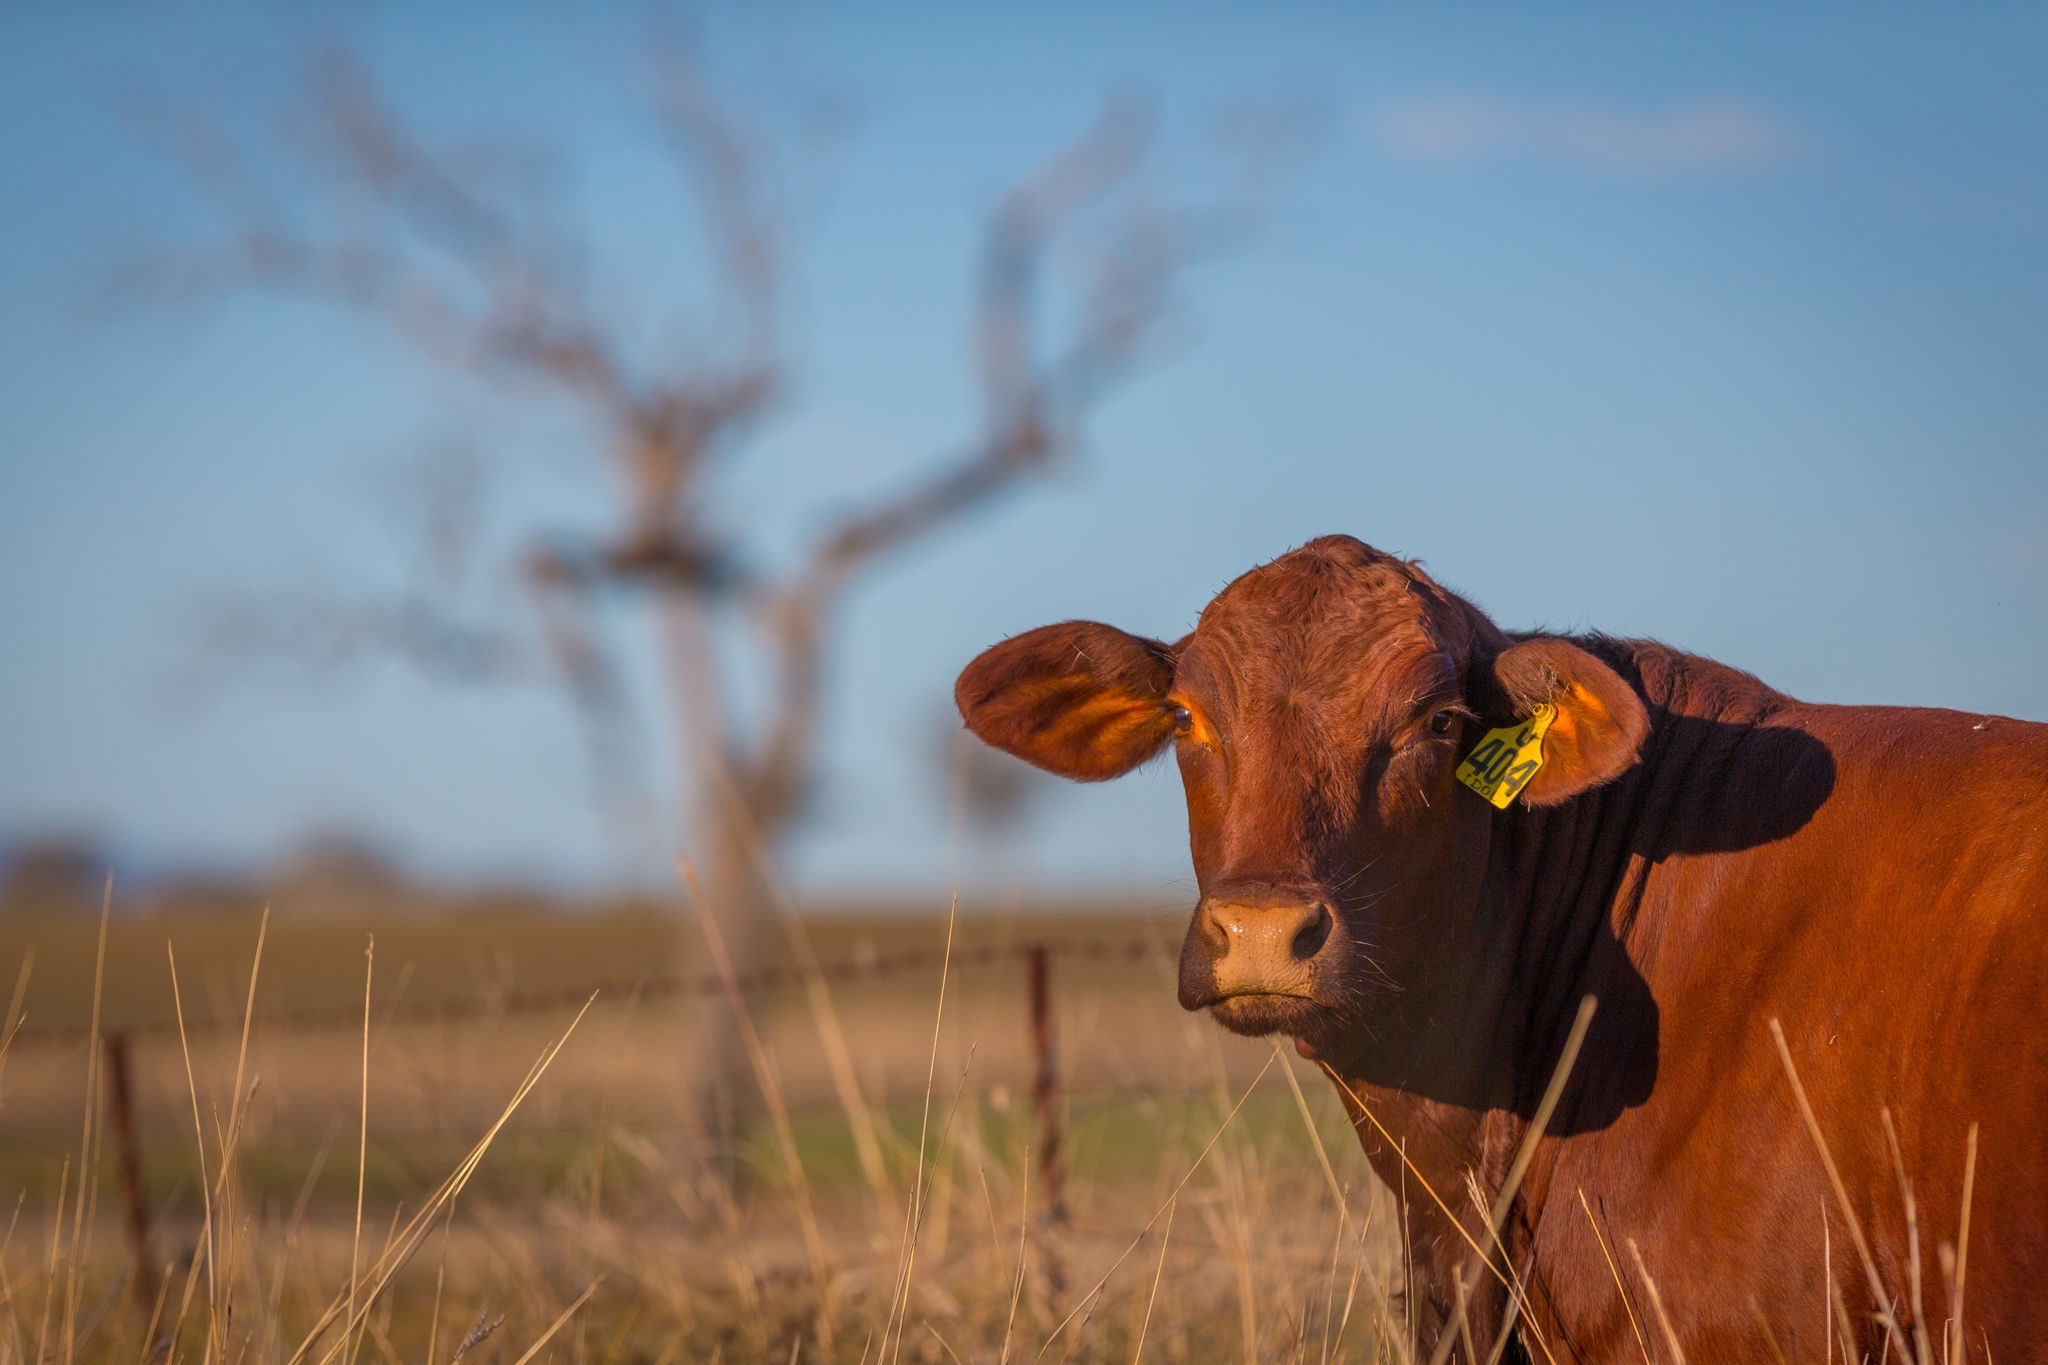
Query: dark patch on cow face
x: 1326, y: 694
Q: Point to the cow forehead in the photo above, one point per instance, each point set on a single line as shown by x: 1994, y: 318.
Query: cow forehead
x: 1335, y: 577
x: 1335, y: 622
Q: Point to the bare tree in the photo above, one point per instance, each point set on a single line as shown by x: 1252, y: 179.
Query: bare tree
x: 464, y: 261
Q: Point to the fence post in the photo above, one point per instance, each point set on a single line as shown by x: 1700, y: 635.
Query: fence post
x: 1045, y: 1084
x: 121, y: 1107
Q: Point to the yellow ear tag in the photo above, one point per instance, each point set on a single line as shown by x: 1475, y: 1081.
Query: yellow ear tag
x: 1503, y: 762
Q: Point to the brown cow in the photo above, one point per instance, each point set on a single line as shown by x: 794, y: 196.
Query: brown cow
x: 1701, y: 853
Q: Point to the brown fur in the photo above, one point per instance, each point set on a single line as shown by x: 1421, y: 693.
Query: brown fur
x: 1700, y: 852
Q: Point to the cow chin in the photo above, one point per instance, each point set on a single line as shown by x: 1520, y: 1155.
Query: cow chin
x: 1255, y: 1016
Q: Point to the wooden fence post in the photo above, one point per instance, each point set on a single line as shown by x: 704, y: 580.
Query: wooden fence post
x: 121, y: 1107
x: 1045, y: 1084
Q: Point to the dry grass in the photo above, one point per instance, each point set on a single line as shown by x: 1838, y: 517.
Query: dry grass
x: 500, y: 1187
x: 539, y: 1187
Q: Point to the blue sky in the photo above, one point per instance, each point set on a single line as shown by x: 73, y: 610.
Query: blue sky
x: 1747, y: 310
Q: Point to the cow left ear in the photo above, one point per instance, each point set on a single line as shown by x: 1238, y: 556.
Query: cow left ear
x: 1600, y: 723
x: 1080, y: 699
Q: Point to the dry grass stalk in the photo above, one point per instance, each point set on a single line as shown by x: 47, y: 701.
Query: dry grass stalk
x: 1315, y: 1138
x: 408, y: 1238
x: 205, y: 1187
x: 899, y: 1304
x: 1329, y: 1304
x: 1770, y: 1338
x: 7, y: 1281
x: 860, y: 1118
x: 1877, y: 1290
x: 156, y: 1315
x: 476, y: 1336
x: 1023, y: 1238
x: 225, y: 1189
x: 1159, y: 1272
x: 1410, y: 1169
x: 1402, y: 1340
x: 778, y: 1109
x: 1657, y: 1304
x: 355, y: 1253
x: 1504, y: 1198
x: 50, y: 1274
x: 15, y: 1017
x: 440, y: 1278
x: 1464, y: 1321
x: 87, y: 1164
x: 556, y: 1325
x: 1628, y: 1305
x: 1089, y: 1298
x: 1962, y: 1253
x: 925, y: 1192
x: 1923, y: 1349
x: 1841, y: 1321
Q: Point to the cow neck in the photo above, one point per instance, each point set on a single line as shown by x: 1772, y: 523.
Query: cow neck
x: 1554, y: 879
x: 1566, y: 890
x: 1558, y: 913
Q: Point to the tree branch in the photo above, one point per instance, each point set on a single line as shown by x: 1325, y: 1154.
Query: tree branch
x: 1034, y: 409
x: 473, y: 277
x: 449, y: 261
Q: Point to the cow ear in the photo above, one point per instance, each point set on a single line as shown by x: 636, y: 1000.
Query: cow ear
x: 1083, y: 700
x: 1600, y: 722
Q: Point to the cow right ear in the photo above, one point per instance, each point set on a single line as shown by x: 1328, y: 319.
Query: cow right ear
x: 1599, y: 725
x: 1081, y: 699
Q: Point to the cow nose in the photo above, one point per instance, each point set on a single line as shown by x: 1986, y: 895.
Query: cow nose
x: 1259, y: 945
x: 1271, y: 936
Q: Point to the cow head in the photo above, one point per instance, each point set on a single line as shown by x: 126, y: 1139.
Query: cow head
x: 1318, y: 713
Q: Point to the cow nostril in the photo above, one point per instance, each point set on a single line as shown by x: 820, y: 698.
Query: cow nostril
x: 1217, y: 931
x: 1309, y: 940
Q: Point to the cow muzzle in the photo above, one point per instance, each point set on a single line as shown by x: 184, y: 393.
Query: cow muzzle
x: 1255, y: 943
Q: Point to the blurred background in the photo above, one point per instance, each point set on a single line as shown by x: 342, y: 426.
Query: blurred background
x: 456, y: 461
x: 1749, y: 307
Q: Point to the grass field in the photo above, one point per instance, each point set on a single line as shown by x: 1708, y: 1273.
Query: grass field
x: 894, y: 1205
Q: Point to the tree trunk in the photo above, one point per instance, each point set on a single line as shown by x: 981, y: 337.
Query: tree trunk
x: 717, y: 834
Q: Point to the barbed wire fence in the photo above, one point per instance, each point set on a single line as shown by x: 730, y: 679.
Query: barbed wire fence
x: 1034, y: 956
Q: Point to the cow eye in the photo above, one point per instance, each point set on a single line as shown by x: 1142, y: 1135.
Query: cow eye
x: 1183, y: 719
x: 1440, y: 723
